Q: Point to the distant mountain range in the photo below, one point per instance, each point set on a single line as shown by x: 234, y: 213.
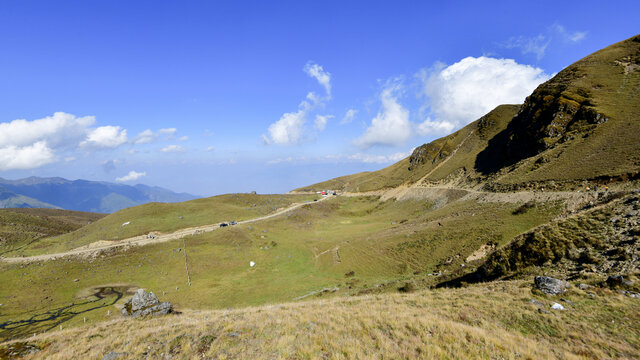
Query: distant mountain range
x: 81, y: 195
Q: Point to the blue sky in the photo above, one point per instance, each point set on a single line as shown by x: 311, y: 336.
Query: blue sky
x: 210, y: 97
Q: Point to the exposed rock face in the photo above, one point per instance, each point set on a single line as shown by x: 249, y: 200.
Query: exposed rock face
x: 145, y: 303
x: 551, y: 286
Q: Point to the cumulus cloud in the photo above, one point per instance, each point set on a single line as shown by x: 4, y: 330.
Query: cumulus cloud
x: 461, y: 93
x: 26, y: 144
x: 25, y: 157
x: 431, y: 127
x: 59, y: 130
x: 321, y: 121
x: 391, y: 126
x: 105, y: 137
x: 290, y: 128
x: 349, y: 116
x: 183, y: 138
x: 145, y: 137
x: 172, y: 148
x: 287, y: 130
x: 131, y: 176
x: 324, y: 78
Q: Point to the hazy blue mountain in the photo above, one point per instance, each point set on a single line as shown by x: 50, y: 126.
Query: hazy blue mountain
x: 9, y: 199
x: 81, y: 195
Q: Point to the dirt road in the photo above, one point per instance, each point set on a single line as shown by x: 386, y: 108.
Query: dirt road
x: 105, y: 245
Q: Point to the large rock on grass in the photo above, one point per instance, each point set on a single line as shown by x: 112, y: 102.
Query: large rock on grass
x: 145, y: 303
x: 551, y: 286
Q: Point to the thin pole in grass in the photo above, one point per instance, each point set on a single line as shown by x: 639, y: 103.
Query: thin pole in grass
x: 186, y: 267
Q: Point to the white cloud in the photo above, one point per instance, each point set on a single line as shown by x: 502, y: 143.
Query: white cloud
x: 321, y: 121
x: 105, y: 137
x: 370, y: 158
x: 25, y: 157
x: 287, y: 130
x: 172, y: 148
x: 529, y: 45
x: 568, y: 36
x: 349, y: 116
x: 145, y: 137
x: 59, y: 130
x: 324, y: 78
x: 391, y: 126
x: 461, y: 93
x: 132, y: 176
x: 168, y: 131
x: 378, y: 159
x: 538, y: 44
x: 149, y: 136
x: 28, y: 144
x: 183, y: 138
x: 430, y: 127
x: 290, y: 128
x: 210, y: 148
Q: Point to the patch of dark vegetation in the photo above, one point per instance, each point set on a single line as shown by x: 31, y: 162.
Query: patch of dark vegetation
x: 45, y: 321
x: 350, y: 274
x: 597, y: 241
x: 18, y: 350
x: 524, y: 208
x: 407, y: 287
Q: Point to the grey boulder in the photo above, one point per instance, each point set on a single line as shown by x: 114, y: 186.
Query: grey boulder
x: 145, y: 303
x: 551, y: 286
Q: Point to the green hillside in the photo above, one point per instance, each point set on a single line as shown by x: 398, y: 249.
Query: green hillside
x: 427, y: 159
x: 567, y: 132
x: 582, y: 124
x: 165, y: 217
x: 21, y: 227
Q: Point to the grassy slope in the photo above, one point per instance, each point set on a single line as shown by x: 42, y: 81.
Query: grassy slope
x: 294, y: 256
x: 601, y: 82
x: 605, y: 82
x: 475, y: 137
x: 165, y: 217
x: 494, y: 321
x: 20, y: 227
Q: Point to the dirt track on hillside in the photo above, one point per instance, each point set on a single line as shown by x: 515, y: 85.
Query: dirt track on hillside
x: 106, y: 245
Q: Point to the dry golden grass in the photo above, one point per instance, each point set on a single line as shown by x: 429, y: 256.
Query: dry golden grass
x: 490, y: 321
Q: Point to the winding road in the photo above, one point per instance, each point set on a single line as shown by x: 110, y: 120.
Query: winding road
x: 105, y: 245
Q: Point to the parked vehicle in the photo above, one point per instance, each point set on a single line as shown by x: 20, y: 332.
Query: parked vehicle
x: 224, y: 224
x: 233, y: 223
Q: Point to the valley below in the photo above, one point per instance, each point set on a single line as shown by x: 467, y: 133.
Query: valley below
x: 440, y: 255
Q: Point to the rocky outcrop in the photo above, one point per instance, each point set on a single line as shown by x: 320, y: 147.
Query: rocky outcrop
x: 145, y: 303
x: 551, y: 286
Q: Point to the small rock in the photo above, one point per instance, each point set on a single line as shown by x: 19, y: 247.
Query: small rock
x: 584, y: 286
x: 618, y: 281
x: 557, y: 306
x: 551, y: 286
x: 233, y: 334
x: 145, y: 303
x: 76, y: 280
x: 591, y: 294
x: 542, y: 311
x: 113, y: 355
x: 536, y: 303
x: 567, y: 301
